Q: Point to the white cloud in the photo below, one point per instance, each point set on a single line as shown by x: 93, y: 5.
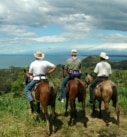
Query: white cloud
x: 76, y: 19
x: 49, y: 39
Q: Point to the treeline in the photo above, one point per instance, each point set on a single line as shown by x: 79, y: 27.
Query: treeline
x: 12, y: 79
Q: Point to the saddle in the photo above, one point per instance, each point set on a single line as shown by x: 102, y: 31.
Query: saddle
x: 51, y: 87
x: 74, y: 74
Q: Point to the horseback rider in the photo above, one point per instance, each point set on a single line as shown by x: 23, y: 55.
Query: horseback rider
x: 38, y: 70
x: 72, y: 69
x: 102, y: 72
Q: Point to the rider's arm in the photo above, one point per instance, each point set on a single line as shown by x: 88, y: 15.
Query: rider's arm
x: 51, y: 70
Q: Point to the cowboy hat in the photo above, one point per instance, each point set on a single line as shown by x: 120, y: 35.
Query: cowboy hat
x: 39, y: 55
x: 73, y: 52
x: 103, y: 55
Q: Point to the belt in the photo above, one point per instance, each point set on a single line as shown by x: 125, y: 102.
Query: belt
x: 103, y: 77
x: 39, y: 75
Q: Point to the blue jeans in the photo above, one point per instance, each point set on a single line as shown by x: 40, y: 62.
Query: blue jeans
x: 28, y: 89
x: 63, y: 86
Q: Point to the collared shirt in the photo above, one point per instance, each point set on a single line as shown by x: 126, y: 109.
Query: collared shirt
x: 73, y: 64
x: 103, y: 68
x: 39, y: 68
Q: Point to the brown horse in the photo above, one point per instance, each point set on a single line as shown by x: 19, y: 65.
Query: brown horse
x: 75, y: 88
x: 45, y: 95
x: 105, y: 91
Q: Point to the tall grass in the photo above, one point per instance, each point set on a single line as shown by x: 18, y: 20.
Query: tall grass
x: 15, y: 120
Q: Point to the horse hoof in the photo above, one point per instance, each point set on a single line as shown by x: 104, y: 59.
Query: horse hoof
x: 54, y: 130
x: 69, y: 123
x: 48, y: 134
x: 65, y: 114
x: 107, y: 124
x: 85, y: 125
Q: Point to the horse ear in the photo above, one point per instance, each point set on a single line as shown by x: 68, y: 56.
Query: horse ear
x: 63, y: 67
x: 24, y: 70
x: 86, y: 73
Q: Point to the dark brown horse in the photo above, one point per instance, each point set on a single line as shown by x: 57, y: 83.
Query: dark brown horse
x: 45, y: 95
x: 75, y: 88
x: 105, y: 91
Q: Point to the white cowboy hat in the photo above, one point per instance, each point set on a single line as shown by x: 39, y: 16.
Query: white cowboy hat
x: 103, y: 55
x: 73, y: 52
x: 39, y: 55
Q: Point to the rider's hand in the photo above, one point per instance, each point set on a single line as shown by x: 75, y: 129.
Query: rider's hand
x: 31, y: 77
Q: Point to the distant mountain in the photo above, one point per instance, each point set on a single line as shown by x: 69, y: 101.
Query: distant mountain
x: 91, y: 61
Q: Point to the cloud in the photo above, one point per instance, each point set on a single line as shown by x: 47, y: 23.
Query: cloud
x: 25, y: 24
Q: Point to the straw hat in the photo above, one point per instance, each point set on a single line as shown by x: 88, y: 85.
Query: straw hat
x: 104, y: 55
x: 39, y: 55
x: 74, y: 52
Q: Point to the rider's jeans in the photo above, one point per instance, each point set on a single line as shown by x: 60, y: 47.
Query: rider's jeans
x: 63, y: 86
x: 28, y: 89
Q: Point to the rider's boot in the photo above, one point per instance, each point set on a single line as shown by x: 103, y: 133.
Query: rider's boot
x: 31, y: 106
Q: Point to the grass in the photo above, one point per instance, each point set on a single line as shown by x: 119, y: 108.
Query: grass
x: 15, y: 121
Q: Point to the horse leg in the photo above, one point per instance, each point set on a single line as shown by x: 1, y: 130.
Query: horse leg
x: 38, y: 107
x: 93, y: 108
x: 100, y: 113
x: 66, y: 107
x: 83, y: 107
x: 106, y: 105
x: 84, y: 113
x: 72, y: 112
x: 47, y: 119
x: 53, y: 118
x: 117, y: 112
x: 75, y: 112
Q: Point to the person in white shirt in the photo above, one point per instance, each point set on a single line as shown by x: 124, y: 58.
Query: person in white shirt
x: 38, y: 70
x: 102, y: 71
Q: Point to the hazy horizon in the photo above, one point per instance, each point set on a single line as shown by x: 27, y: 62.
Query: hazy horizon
x: 7, y: 61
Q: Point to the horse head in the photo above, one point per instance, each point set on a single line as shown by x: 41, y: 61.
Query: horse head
x: 89, y: 78
x: 27, y: 78
x: 64, y: 71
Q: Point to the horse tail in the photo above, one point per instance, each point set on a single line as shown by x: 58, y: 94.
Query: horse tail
x: 80, y: 91
x: 52, y: 91
x: 114, y: 95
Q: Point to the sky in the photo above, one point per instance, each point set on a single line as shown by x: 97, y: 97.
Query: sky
x: 57, y: 26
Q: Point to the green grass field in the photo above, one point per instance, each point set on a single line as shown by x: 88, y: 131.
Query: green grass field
x: 15, y: 120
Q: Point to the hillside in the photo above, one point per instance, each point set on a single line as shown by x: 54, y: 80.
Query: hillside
x: 12, y: 78
x: 15, y: 121
x: 91, y: 61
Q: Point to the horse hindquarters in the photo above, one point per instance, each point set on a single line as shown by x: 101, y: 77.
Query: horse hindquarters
x: 72, y: 91
x: 47, y: 97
